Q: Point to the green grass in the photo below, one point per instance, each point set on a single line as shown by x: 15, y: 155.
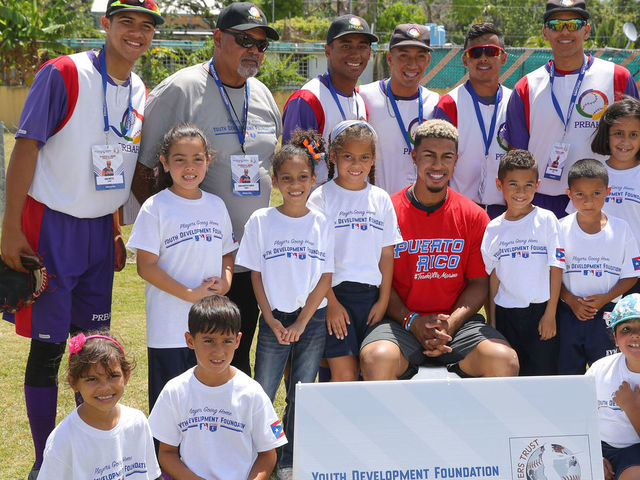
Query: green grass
x: 128, y: 322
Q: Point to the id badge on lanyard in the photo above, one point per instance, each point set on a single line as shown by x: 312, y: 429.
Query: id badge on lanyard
x: 560, y: 151
x: 245, y: 169
x: 107, y: 160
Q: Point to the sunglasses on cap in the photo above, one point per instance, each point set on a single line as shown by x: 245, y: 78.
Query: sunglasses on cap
x: 488, y: 50
x: 573, y: 24
x: 247, y: 41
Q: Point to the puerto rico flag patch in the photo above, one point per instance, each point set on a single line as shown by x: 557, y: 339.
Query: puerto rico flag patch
x: 277, y: 430
x: 560, y: 255
x: 636, y: 263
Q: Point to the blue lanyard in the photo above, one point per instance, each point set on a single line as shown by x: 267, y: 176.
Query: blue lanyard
x: 337, y: 100
x: 574, y: 94
x: 394, y: 105
x: 487, y: 139
x: 105, y: 108
x: 241, y: 127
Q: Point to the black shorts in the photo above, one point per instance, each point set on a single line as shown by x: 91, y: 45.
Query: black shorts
x: 474, y: 331
x: 520, y: 328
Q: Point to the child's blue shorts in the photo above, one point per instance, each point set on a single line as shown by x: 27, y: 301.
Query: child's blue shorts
x: 357, y: 299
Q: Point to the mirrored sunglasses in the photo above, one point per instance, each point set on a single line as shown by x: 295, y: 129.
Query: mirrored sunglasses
x: 247, y: 41
x: 145, y: 4
x: 573, y: 24
x: 488, y: 50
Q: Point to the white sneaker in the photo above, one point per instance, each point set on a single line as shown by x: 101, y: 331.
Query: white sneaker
x: 285, y: 473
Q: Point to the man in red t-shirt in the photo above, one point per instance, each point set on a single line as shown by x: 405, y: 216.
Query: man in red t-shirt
x: 439, y: 279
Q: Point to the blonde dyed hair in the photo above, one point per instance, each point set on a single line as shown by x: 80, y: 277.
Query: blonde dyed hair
x: 435, y: 128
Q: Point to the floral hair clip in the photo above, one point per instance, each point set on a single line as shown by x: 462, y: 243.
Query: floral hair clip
x: 312, y: 145
x: 76, y: 343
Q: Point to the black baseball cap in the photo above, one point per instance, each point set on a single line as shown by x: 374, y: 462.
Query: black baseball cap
x: 410, y: 34
x: 576, y: 6
x: 143, y: 6
x: 244, y: 16
x: 348, y: 24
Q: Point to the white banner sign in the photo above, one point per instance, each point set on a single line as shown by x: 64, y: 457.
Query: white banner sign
x: 535, y: 428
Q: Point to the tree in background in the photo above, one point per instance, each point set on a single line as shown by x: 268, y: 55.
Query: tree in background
x: 607, y: 21
x: 30, y: 31
x: 520, y: 20
x: 396, y: 14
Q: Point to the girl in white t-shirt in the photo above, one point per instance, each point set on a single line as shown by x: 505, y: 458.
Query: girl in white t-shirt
x: 289, y: 250
x: 100, y: 438
x: 184, y: 242
x: 617, y: 379
x: 618, y: 135
x: 366, y: 229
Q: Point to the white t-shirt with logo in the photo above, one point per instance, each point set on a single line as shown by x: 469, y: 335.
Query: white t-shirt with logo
x: 220, y: 430
x: 595, y: 262
x: 615, y: 427
x: 78, y: 451
x: 290, y: 253
x: 521, y: 253
x: 364, y: 222
x: 190, y: 238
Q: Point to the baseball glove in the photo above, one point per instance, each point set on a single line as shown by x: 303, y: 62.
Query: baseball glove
x: 18, y: 289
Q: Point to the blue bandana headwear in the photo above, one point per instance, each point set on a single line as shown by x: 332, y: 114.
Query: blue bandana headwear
x: 626, y: 309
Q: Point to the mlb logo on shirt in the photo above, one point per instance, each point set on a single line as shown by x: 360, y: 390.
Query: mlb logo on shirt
x: 560, y: 254
x: 277, y: 430
x: 520, y: 254
x: 595, y: 273
x: 636, y: 263
x: 356, y: 226
x: 212, y: 427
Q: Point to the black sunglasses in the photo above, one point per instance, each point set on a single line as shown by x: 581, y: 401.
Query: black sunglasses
x: 488, y: 50
x: 247, y: 41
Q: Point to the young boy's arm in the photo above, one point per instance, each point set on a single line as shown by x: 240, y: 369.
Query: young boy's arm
x: 494, y: 283
x: 20, y: 173
x: 169, y: 460
x: 149, y: 270
x: 547, y: 324
x: 386, y: 268
x: 310, y: 307
x: 600, y: 300
x: 265, y: 309
x: 263, y: 466
x: 581, y: 310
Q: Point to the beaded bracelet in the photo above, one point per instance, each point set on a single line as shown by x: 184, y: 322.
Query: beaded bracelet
x: 408, y: 320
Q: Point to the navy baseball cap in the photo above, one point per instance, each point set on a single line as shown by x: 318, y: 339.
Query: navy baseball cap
x: 348, y: 24
x: 142, y: 6
x: 244, y: 16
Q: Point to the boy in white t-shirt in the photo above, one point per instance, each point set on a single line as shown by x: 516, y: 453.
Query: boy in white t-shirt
x: 214, y: 421
x: 602, y: 262
x: 523, y: 256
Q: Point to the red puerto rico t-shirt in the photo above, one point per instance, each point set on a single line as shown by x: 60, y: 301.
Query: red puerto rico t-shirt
x: 440, y: 251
